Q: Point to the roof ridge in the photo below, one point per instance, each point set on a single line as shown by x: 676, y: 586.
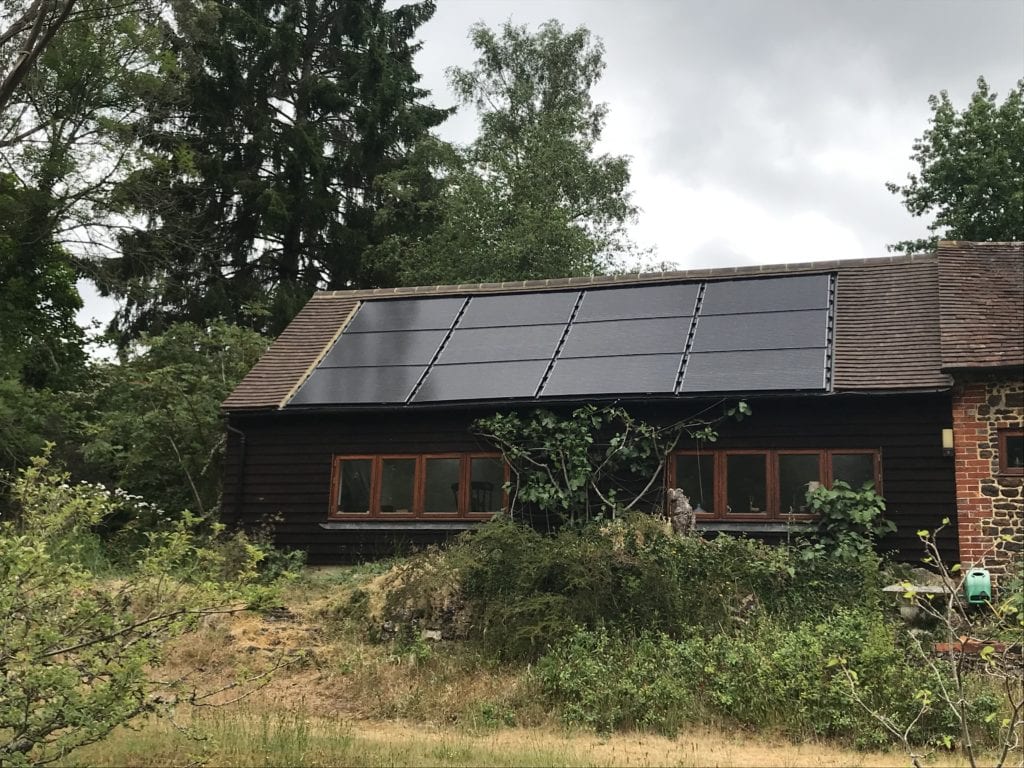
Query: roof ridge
x: 632, y: 278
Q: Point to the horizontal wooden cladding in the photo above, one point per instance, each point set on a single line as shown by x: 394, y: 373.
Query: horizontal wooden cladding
x: 288, y: 459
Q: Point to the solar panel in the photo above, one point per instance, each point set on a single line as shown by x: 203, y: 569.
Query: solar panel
x: 405, y: 315
x: 755, y: 370
x: 519, y: 309
x: 482, y: 381
x: 637, y: 302
x: 626, y: 337
x: 387, y: 348
x: 634, y: 374
x: 729, y: 297
x: 383, y: 384
x: 762, y: 330
x: 483, y: 345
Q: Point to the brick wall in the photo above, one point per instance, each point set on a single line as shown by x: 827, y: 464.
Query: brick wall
x: 989, y: 504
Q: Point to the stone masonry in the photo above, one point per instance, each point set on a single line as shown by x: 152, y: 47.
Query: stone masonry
x: 989, y: 504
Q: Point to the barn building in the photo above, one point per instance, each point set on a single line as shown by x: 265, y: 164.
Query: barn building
x: 353, y: 432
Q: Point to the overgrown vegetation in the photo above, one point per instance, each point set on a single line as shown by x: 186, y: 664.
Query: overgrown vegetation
x: 79, y: 641
x: 592, y: 462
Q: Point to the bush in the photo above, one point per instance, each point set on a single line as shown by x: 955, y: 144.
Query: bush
x: 770, y: 675
x: 517, y: 591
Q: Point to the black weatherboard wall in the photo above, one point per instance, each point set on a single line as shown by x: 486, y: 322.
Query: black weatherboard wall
x: 287, y: 458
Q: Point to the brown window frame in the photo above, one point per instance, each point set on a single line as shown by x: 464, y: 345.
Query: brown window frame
x: 419, y: 486
x: 772, y: 484
x: 1002, y: 435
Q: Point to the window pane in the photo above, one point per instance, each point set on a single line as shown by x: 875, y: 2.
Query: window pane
x: 696, y: 476
x: 746, y: 484
x: 441, y: 486
x: 796, y: 472
x: 1014, y: 458
x: 396, y: 485
x: 354, y: 486
x: 856, y: 469
x: 486, y: 486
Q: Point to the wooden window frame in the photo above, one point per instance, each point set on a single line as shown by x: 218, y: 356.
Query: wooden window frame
x: 419, y: 486
x: 1002, y: 435
x: 773, y: 513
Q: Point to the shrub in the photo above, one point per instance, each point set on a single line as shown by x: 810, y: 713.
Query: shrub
x: 771, y: 675
x: 517, y: 591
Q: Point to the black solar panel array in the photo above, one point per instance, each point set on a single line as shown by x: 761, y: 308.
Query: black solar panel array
x: 689, y: 338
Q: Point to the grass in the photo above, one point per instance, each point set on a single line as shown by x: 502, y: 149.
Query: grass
x: 351, y: 702
x: 247, y: 736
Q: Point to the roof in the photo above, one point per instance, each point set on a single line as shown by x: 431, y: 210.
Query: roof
x: 884, y: 324
x: 981, y: 297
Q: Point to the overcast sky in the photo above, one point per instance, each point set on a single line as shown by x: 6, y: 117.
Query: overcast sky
x: 759, y: 131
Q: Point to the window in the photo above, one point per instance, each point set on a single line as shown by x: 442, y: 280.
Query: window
x: 1011, y: 451
x: 758, y: 485
x: 432, y: 486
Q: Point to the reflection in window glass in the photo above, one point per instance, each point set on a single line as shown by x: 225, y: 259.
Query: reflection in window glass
x: 396, y: 485
x: 441, y: 486
x: 855, y: 469
x: 746, y: 483
x: 354, y: 486
x: 486, y: 486
x: 695, y: 475
x: 796, y: 472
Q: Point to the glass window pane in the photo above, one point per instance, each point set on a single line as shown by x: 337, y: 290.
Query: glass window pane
x: 746, y: 484
x: 796, y: 472
x: 354, y: 486
x: 486, y: 485
x: 856, y: 469
x: 1014, y: 458
x: 695, y: 475
x: 441, y: 486
x: 396, y: 485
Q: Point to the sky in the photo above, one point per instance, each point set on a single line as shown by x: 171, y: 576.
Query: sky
x: 759, y: 131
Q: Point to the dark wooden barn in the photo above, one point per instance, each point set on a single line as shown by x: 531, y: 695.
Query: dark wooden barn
x: 353, y: 432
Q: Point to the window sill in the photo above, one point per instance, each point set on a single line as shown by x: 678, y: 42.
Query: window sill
x: 415, y: 524
x: 753, y: 526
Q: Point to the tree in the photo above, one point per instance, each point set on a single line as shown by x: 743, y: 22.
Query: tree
x: 971, y: 170
x: 26, y: 29
x: 155, y: 429
x: 76, y: 650
x: 260, y: 181
x: 529, y: 198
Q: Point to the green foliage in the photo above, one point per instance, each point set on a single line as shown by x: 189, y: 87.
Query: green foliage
x: 156, y: 429
x: 848, y: 522
x: 771, y: 675
x: 75, y: 648
x: 530, y: 197
x: 971, y: 174
x: 594, y: 461
x: 518, y: 591
x: 273, y: 126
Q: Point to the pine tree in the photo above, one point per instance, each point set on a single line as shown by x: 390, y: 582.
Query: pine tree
x: 265, y: 156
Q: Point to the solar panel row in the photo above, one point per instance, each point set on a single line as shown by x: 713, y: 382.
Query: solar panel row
x: 748, y: 335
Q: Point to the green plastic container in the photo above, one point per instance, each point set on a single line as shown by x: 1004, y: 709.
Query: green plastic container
x: 978, y: 586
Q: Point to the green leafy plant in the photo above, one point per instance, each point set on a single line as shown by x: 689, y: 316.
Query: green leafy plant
x: 76, y: 648
x: 974, y: 676
x: 848, y: 524
x: 595, y: 461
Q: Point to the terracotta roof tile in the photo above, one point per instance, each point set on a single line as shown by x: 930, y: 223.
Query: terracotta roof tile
x: 293, y: 355
x: 981, y: 293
